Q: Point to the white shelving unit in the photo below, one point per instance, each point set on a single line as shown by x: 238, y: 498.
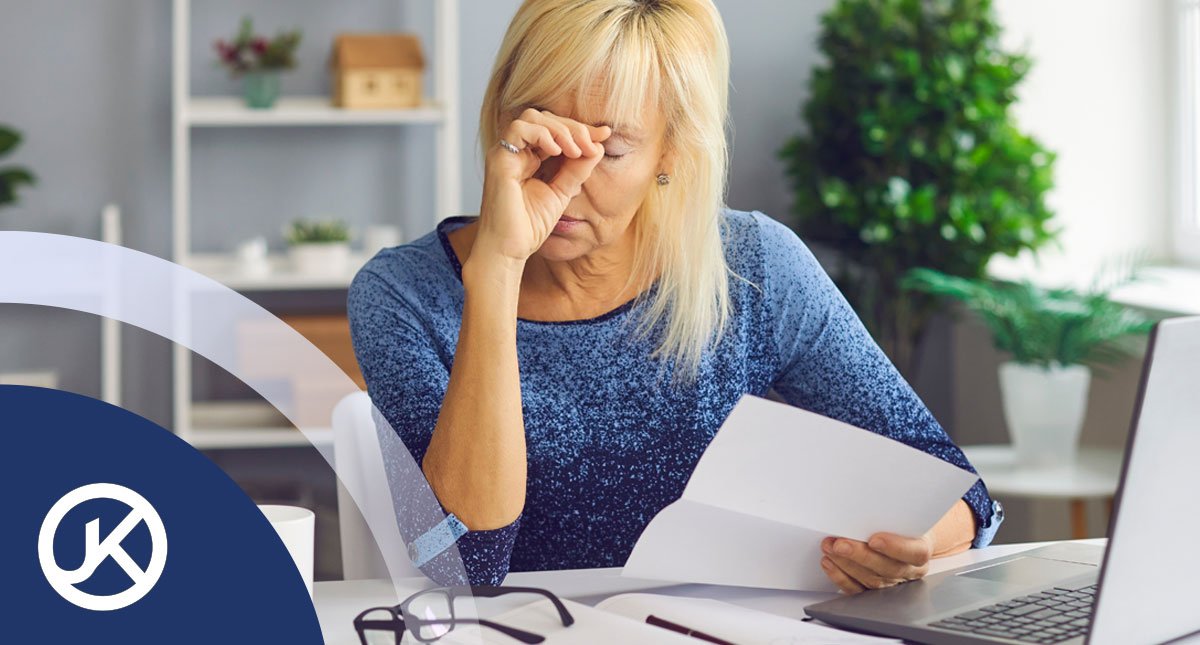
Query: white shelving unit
x: 110, y: 327
x: 224, y: 111
x: 190, y: 113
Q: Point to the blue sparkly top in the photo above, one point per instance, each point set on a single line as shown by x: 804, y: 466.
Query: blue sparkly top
x: 610, y: 443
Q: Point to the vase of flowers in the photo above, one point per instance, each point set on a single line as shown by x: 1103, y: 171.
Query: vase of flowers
x: 1057, y: 338
x: 258, y: 61
x: 318, y: 247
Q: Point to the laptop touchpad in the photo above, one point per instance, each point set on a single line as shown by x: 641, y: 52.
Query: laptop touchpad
x: 1030, y: 571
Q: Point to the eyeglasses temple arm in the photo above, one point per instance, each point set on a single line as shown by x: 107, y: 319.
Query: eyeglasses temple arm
x: 519, y: 634
x: 488, y: 591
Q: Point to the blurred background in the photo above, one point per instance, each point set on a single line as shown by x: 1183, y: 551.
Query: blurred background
x: 1038, y: 158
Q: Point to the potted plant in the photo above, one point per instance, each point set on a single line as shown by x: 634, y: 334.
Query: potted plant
x: 258, y: 61
x: 12, y: 177
x: 1056, y: 337
x: 912, y: 157
x: 318, y: 247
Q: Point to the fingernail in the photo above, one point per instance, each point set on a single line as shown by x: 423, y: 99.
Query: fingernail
x: 841, y: 548
x: 826, y: 564
x: 827, y: 545
x: 876, y: 543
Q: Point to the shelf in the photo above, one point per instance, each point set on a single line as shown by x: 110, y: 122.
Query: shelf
x: 233, y: 438
x: 279, y: 275
x: 1170, y: 290
x: 230, y: 111
x: 1094, y: 473
x: 245, y: 424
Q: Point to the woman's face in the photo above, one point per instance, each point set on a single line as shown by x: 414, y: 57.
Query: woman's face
x: 600, y: 215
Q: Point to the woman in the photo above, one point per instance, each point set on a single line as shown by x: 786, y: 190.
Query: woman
x: 557, y: 365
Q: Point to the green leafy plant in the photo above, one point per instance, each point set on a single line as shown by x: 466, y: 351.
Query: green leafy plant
x: 1041, y: 326
x: 317, y: 232
x: 12, y: 177
x: 248, y: 52
x: 912, y: 158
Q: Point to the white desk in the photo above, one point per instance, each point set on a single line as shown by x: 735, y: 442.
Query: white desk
x: 338, y: 603
x: 1093, y: 475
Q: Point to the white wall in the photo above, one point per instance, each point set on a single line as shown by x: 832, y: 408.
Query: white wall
x: 1099, y: 96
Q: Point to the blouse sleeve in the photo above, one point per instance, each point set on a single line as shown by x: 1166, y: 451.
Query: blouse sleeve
x: 406, y: 380
x: 829, y: 364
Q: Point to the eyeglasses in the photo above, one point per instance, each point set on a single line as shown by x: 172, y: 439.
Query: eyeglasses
x: 429, y: 615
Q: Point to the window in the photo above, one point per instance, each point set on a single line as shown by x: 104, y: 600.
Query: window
x: 1186, y: 225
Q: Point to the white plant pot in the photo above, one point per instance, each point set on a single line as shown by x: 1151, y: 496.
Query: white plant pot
x: 1045, y: 409
x: 320, y: 258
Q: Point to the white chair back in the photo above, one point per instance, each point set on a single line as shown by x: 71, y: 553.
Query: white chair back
x: 360, y: 468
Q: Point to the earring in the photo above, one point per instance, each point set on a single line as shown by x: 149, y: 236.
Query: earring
x: 664, y: 179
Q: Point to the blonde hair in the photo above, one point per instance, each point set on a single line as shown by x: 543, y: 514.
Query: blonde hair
x: 672, y: 50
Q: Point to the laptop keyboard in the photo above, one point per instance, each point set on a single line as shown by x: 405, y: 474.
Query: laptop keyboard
x: 1051, y: 616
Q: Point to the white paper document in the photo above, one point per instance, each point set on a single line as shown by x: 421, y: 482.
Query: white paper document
x: 773, y: 483
x: 732, y: 623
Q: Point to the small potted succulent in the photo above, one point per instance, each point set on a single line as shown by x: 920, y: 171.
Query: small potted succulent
x: 12, y: 177
x: 318, y: 247
x: 258, y: 61
x: 1056, y: 338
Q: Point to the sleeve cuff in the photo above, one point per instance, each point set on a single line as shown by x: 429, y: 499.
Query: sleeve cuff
x: 484, y: 557
x: 986, y: 532
x: 437, y: 539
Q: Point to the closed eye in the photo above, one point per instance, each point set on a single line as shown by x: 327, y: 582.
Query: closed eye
x: 617, y: 147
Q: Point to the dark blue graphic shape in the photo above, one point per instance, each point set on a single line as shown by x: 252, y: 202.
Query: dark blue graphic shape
x: 228, y: 577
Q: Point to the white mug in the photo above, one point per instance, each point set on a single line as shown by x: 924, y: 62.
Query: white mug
x: 296, y: 527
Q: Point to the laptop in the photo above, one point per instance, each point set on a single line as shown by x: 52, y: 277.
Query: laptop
x: 1144, y: 588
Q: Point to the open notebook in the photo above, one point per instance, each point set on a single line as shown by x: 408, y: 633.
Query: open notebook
x: 622, y: 619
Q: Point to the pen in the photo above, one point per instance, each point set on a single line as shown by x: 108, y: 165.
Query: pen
x: 666, y: 624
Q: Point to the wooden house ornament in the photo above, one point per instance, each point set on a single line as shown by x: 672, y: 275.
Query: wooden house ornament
x: 377, y: 71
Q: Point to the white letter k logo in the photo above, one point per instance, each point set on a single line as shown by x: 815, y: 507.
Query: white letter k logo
x: 97, y: 551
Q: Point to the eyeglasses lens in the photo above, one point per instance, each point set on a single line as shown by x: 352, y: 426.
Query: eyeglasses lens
x: 378, y: 636
x: 432, y: 606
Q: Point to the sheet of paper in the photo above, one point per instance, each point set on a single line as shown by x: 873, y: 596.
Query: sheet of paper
x: 776, y: 480
x: 732, y: 623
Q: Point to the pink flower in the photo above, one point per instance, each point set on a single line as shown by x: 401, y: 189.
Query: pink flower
x: 259, y: 45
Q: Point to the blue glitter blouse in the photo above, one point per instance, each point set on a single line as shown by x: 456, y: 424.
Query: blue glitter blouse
x: 609, y: 442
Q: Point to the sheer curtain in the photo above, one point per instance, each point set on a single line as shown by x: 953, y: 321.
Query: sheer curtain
x: 1187, y: 219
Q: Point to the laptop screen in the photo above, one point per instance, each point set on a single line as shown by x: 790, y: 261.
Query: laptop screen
x: 1150, y: 582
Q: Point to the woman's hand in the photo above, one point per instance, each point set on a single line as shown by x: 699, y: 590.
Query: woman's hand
x: 519, y: 209
x: 885, y: 560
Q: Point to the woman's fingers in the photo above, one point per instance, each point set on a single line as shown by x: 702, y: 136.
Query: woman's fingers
x: 547, y: 135
x: 525, y: 135
x: 558, y: 131
x: 573, y: 135
x: 840, y: 578
x: 575, y: 169
x: 877, y: 566
x: 571, y: 138
x: 914, y: 551
x: 864, y: 576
